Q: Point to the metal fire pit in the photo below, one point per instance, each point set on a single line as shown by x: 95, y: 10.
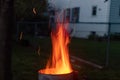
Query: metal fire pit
x: 69, y: 76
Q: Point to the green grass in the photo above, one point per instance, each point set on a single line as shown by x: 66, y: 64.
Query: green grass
x: 89, y: 50
x: 26, y: 62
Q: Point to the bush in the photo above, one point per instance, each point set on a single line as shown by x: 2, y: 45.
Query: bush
x: 93, y: 36
x: 115, y: 36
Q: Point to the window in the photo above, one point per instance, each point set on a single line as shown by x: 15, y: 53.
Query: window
x: 75, y: 14
x: 94, y: 10
x: 68, y: 14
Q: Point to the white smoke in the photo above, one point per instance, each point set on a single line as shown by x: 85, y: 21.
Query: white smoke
x: 59, y: 4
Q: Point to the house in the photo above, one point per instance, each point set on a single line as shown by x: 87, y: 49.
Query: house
x: 90, y: 16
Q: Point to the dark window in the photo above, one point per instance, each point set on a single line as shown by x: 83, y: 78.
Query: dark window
x: 68, y: 14
x: 75, y: 14
x: 93, y: 33
x: 94, y: 10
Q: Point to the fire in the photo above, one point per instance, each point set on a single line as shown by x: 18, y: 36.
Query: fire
x: 59, y: 63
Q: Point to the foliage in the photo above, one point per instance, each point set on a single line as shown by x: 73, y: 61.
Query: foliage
x: 115, y: 36
x: 93, y: 36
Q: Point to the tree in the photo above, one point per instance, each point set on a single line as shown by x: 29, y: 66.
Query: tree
x: 6, y: 24
x: 23, y: 8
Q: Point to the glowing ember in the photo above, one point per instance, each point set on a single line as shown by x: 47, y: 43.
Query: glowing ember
x: 21, y: 35
x: 34, y: 11
x: 38, y: 51
x: 59, y: 64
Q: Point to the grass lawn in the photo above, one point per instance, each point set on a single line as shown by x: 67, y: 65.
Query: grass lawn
x: 26, y: 61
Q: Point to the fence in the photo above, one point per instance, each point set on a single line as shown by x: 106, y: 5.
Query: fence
x: 100, y: 50
x: 101, y: 47
x: 32, y: 28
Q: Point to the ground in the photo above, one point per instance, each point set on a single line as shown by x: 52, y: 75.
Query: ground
x: 26, y: 61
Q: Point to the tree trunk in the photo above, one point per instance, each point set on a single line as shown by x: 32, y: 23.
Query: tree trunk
x: 6, y: 24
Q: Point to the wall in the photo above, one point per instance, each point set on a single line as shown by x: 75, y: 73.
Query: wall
x: 85, y: 16
x: 115, y: 16
x: 84, y: 30
x: 86, y: 9
x: 114, y: 11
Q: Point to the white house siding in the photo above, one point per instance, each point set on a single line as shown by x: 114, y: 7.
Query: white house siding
x: 115, y: 16
x: 84, y: 30
x: 86, y: 10
x: 90, y: 23
x: 85, y: 16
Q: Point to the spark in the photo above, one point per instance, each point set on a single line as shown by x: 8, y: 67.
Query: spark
x: 34, y: 11
x: 21, y: 35
x: 38, y: 51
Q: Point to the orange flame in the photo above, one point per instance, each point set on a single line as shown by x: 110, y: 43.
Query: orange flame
x: 60, y: 63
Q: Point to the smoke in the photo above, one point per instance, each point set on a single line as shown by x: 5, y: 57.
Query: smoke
x: 59, y: 4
